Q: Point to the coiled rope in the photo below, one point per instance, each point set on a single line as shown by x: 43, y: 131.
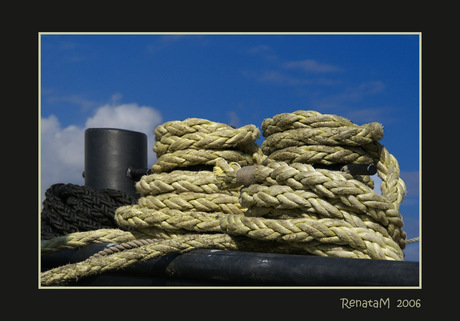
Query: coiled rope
x: 286, y: 207
x: 321, y: 226
x: 197, y: 141
x: 180, y: 199
x: 69, y: 208
x: 330, y: 212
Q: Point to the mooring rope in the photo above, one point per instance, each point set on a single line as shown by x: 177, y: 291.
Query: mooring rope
x: 180, y: 199
x: 324, y: 226
x: 177, y: 199
x: 306, y: 203
x: 286, y: 206
x: 197, y: 141
x: 70, y: 208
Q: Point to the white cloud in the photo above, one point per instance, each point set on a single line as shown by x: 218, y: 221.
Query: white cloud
x: 61, y: 153
x: 62, y: 149
x: 234, y: 120
x: 352, y: 94
x: 264, y: 51
x: 382, y: 115
x: 126, y: 116
x: 73, y: 99
x: 310, y: 65
x: 273, y: 77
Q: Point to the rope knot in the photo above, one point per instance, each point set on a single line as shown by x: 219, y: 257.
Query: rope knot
x: 226, y: 174
x: 375, y: 130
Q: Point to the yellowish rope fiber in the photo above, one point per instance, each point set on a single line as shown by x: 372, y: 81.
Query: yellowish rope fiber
x: 176, y: 203
x: 78, y: 239
x: 299, y: 202
x: 302, y: 216
x: 269, y: 199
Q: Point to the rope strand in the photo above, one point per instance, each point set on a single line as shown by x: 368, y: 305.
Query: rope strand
x: 290, y: 202
x: 70, y: 208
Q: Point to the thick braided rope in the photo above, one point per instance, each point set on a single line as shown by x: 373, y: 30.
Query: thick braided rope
x: 302, y: 216
x: 187, y: 126
x: 321, y: 154
x: 196, y: 141
x: 216, y: 202
x: 343, y: 233
x: 175, y: 199
x: 392, y: 187
x: 74, y: 240
x: 180, y: 182
x: 301, y: 119
x: 349, y: 136
x: 331, y: 134
x: 191, y: 157
x: 325, y: 188
x: 69, y: 208
x: 153, y: 249
x: 280, y: 190
x: 304, y: 230
x: 224, y: 138
x: 178, y: 204
x: 101, y: 263
x: 124, y: 246
x: 169, y: 219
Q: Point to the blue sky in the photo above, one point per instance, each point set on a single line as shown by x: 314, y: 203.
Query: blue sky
x: 139, y: 81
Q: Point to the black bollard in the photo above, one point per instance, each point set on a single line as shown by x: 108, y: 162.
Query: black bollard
x: 112, y: 156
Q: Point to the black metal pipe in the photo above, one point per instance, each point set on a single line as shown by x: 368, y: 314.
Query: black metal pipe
x: 248, y: 268
x: 360, y: 169
x: 112, y: 156
x: 233, y: 268
x: 353, y: 169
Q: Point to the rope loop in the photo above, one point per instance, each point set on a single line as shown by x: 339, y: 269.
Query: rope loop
x: 176, y: 198
x: 195, y: 141
x: 301, y: 119
x: 222, y: 138
x: 212, y: 186
x: 294, y: 182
